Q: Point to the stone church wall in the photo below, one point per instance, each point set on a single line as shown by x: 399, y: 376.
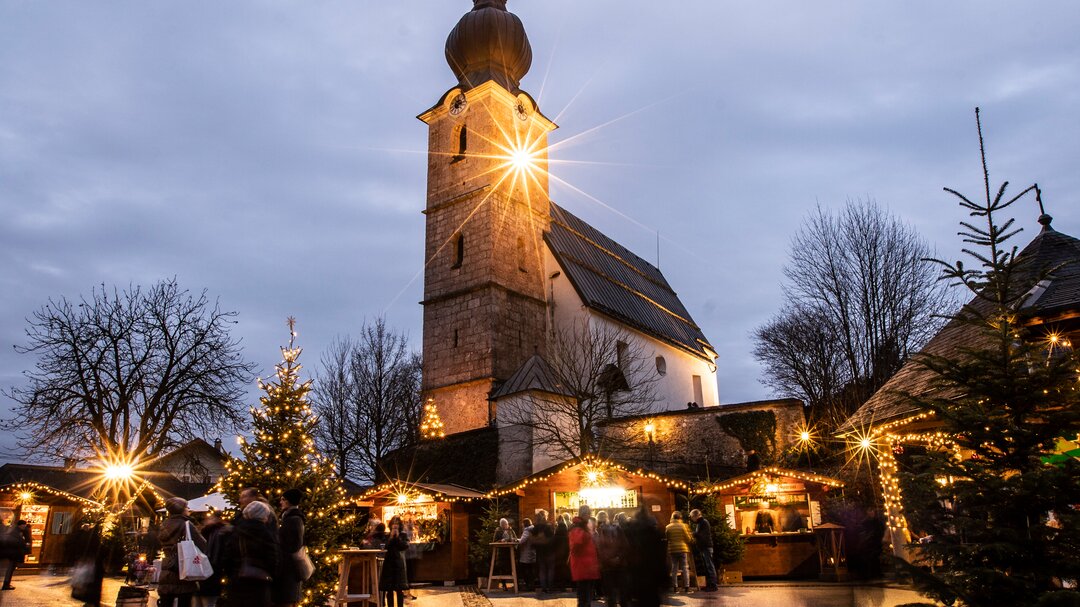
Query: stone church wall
x: 692, y: 442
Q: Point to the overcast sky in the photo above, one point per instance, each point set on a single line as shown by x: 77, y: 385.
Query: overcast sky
x: 269, y: 151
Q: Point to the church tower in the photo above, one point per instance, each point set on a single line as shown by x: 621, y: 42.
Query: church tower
x: 487, y: 213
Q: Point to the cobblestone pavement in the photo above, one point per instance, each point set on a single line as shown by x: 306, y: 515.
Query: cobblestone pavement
x: 33, y: 589
x: 42, y: 589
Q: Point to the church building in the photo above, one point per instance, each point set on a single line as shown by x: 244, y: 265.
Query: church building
x: 559, y: 368
x: 506, y: 268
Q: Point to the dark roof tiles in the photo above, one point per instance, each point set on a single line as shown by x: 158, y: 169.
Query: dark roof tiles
x: 612, y: 280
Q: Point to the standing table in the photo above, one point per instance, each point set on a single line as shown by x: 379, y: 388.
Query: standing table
x: 367, y: 561
x: 512, y: 578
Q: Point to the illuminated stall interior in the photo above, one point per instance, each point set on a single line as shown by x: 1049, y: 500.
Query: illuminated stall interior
x: 776, y: 511
x: 51, y: 515
x: 436, y: 518
x: 601, y: 484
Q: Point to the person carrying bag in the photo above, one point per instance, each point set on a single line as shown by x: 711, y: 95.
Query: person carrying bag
x: 194, y: 565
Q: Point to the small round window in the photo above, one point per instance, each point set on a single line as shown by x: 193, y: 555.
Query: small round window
x: 661, y: 365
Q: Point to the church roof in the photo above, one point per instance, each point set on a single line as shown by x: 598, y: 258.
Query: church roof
x: 535, y: 375
x: 612, y: 280
x: 1056, y: 293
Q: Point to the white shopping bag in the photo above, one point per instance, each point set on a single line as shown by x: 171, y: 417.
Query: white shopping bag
x: 194, y: 565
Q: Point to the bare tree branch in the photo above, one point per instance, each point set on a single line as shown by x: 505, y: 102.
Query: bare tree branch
x: 588, y: 366
x: 134, y: 371
x: 368, y: 399
x: 862, y: 297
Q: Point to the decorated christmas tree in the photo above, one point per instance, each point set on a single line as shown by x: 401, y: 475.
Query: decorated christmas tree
x: 997, y: 507
x: 282, y: 456
x: 431, y: 426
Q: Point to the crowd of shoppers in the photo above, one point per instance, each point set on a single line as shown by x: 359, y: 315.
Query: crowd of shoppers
x: 627, y: 561
x: 253, y: 555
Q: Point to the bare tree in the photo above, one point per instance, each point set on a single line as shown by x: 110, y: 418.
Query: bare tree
x: 128, y: 372
x: 860, y: 292
x: 604, y: 372
x: 802, y: 359
x: 333, y: 396
x: 367, y: 396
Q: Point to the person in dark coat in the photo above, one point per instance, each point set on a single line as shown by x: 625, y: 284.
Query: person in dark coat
x: 393, y: 580
x: 12, y: 550
x: 703, y: 544
x: 542, y: 539
x: 646, y: 565
x: 584, y: 559
x: 251, y: 558
x: 285, y: 591
x: 611, y: 546
x: 170, y: 586
x: 562, y: 550
x: 216, y: 531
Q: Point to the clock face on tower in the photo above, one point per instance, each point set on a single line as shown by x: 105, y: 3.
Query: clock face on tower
x: 457, y: 106
x: 521, y: 112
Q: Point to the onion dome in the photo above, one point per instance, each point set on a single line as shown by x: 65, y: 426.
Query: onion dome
x: 489, y: 43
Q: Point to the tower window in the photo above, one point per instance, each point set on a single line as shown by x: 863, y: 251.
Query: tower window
x: 699, y: 397
x: 522, y: 264
x: 459, y: 250
x: 455, y: 338
x: 661, y: 365
x: 622, y: 354
x: 462, y: 143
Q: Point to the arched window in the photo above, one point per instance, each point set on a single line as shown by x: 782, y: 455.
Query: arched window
x: 523, y: 265
x: 462, y: 143
x: 459, y: 250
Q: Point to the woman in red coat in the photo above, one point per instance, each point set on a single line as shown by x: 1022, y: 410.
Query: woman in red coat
x: 584, y: 560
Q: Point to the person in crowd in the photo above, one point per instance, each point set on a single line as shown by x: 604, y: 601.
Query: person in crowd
x: 562, y: 550
x: 369, y: 532
x: 870, y: 534
x: 763, y: 519
x: 252, y: 555
x: 790, y: 519
x: 175, y: 528
x: 647, y: 569
x: 503, y: 533
x: 378, y: 537
x: 542, y: 539
x: 216, y: 532
x: 526, y: 556
x: 622, y: 580
x: 584, y: 560
x: 678, y: 549
x: 610, y: 546
x: 285, y: 591
x: 252, y: 494
x: 393, y: 580
x: 703, y: 544
x: 11, y: 550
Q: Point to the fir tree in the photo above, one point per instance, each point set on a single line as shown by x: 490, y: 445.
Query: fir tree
x: 985, y: 492
x: 283, y: 456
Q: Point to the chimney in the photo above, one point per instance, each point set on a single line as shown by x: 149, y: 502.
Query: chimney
x: 217, y: 445
x: 70, y: 463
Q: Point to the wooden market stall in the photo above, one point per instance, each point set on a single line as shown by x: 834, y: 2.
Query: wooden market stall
x: 599, y: 483
x: 436, y: 517
x: 776, y: 510
x: 52, y: 515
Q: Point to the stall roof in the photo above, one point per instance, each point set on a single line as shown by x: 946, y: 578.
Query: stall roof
x: 771, y: 471
x: 588, y: 460
x: 438, y: 489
